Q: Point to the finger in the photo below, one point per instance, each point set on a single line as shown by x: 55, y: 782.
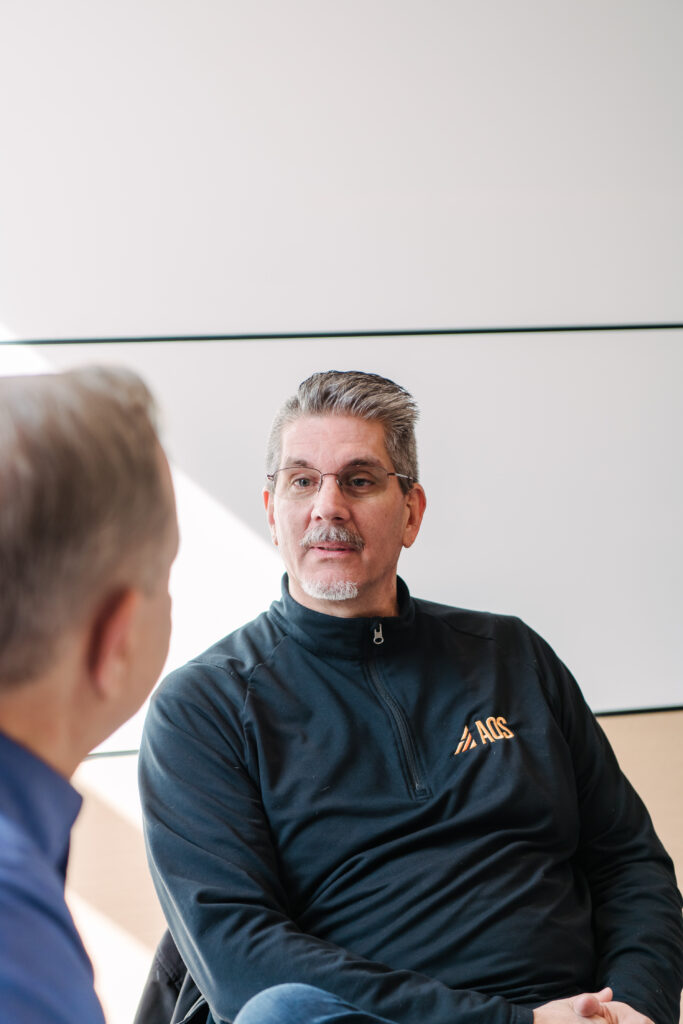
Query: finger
x: 585, y: 1005
x: 588, y: 1005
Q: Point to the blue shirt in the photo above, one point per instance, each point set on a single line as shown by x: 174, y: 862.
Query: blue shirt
x: 45, y: 973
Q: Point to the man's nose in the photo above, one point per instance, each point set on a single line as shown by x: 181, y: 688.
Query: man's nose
x: 330, y: 502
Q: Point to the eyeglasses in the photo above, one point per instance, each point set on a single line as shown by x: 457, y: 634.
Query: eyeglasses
x: 297, y: 482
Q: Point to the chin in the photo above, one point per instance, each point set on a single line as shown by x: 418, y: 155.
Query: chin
x: 330, y: 590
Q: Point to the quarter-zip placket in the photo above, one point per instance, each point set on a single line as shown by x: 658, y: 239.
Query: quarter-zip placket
x: 398, y: 716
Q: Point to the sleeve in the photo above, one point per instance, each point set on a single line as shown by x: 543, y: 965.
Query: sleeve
x: 636, y: 903
x: 216, y: 874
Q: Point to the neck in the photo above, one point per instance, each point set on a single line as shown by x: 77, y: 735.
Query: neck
x: 40, y: 716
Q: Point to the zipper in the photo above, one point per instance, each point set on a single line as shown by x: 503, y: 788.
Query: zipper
x: 398, y: 716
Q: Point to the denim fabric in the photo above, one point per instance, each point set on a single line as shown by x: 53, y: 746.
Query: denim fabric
x: 302, y: 1004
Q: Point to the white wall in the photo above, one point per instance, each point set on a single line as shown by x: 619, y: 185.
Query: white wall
x: 223, y: 166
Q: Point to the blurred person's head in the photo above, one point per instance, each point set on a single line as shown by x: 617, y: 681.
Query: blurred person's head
x: 88, y: 533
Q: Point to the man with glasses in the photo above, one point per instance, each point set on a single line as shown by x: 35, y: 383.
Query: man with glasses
x: 378, y: 808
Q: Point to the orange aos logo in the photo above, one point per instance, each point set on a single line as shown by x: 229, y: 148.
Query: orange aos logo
x: 495, y: 728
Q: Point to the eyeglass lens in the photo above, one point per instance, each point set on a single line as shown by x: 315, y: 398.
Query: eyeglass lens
x: 355, y: 481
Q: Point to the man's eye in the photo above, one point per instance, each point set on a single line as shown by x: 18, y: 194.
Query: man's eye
x: 360, y: 483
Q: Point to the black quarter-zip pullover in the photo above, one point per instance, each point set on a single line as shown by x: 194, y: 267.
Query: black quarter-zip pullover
x: 419, y: 814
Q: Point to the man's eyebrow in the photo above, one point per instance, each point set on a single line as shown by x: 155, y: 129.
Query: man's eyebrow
x: 362, y: 460
x: 286, y: 463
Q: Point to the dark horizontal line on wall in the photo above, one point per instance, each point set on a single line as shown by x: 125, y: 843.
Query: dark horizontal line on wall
x: 639, y: 711
x: 417, y: 332
x: 97, y: 754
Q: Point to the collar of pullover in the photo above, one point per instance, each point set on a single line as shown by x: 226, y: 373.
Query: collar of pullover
x: 37, y: 801
x: 341, y: 637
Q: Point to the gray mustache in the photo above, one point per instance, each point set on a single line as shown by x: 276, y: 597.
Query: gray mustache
x: 332, y: 535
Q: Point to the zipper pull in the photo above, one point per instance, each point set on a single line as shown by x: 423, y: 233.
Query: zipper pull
x: 378, y: 638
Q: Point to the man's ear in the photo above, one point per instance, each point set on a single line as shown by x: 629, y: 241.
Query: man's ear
x: 270, y: 516
x: 416, y: 503
x: 111, y: 645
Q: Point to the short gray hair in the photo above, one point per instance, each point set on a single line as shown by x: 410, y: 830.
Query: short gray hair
x: 84, y: 505
x: 354, y: 393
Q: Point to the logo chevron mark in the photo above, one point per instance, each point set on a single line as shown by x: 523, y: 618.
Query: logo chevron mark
x: 467, y: 741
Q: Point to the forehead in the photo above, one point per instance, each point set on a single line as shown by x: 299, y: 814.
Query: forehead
x: 333, y: 440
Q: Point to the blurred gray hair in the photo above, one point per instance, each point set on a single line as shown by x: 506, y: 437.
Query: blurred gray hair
x: 83, y: 504
x: 354, y: 393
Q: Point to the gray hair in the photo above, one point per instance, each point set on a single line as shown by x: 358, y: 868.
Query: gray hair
x: 84, y: 505
x: 354, y: 393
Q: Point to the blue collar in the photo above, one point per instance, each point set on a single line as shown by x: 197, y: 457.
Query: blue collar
x: 36, y: 799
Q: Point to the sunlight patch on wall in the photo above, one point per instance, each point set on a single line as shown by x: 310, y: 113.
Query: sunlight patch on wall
x: 119, y: 991
x: 225, y: 575
x: 109, y: 888
x: 15, y: 359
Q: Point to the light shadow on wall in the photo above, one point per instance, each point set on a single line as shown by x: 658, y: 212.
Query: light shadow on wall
x: 108, y: 867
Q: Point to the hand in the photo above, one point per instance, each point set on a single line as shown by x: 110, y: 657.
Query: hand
x: 595, y: 1006
x: 610, y: 1010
